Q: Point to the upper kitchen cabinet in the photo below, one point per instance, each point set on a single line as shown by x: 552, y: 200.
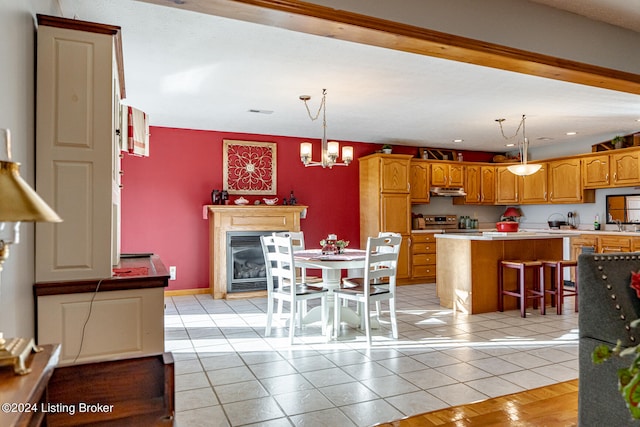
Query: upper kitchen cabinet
x: 394, y: 174
x: 533, y: 188
x: 506, y: 186
x: 385, y: 201
x: 625, y: 166
x: 447, y: 174
x: 596, y: 171
x: 479, y: 184
x: 488, y: 184
x: 565, y: 182
x: 419, y: 181
x: 80, y: 82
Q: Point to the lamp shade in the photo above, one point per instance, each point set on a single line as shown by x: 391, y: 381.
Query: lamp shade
x: 347, y: 153
x: 18, y: 201
x: 305, y: 149
x: 512, y: 212
x: 524, y: 169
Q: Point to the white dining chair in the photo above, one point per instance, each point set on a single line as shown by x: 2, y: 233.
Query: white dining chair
x: 297, y: 243
x: 388, y: 249
x: 281, y: 269
x: 380, y: 266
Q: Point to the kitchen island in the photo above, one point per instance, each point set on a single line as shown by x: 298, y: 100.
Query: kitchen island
x: 467, y: 265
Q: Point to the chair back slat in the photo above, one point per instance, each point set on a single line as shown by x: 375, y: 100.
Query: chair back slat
x: 279, y: 261
x: 297, y: 239
x: 381, y: 259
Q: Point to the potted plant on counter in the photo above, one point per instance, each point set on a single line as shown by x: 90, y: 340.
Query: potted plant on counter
x: 386, y: 149
x: 618, y: 142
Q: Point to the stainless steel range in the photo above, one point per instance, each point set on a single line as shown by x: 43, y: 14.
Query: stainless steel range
x: 443, y: 222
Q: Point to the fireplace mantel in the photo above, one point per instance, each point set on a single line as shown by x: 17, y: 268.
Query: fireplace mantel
x: 224, y: 218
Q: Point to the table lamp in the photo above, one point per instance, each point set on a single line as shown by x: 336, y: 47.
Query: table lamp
x: 512, y: 214
x: 18, y: 202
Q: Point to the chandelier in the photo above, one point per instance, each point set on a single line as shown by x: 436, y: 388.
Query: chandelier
x: 523, y: 168
x: 330, y: 149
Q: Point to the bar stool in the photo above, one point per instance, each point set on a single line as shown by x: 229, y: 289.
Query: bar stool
x: 557, y: 289
x: 522, y: 292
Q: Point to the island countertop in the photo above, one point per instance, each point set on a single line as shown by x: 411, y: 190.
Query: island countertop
x: 497, y: 235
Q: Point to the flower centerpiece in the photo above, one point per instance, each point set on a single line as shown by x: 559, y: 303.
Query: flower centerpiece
x: 331, y: 245
x: 628, y: 378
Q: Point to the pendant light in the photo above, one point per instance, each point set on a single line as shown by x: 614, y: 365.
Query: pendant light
x: 523, y: 168
x: 330, y: 149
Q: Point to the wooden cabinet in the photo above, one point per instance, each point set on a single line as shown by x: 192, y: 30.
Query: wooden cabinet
x: 394, y: 175
x: 582, y: 241
x: 419, y: 181
x: 596, y: 171
x: 626, y: 168
x: 506, y: 186
x: 533, y: 188
x: 565, y: 181
x: 604, y: 243
x: 79, y: 87
x: 447, y: 174
x: 488, y: 185
x: 423, y: 250
x: 479, y: 184
x: 472, y: 184
x: 612, y: 243
x: 385, y: 201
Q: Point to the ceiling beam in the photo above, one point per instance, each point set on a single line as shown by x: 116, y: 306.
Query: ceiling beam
x: 348, y: 26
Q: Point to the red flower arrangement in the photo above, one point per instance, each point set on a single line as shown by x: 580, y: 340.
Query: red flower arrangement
x: 635, y: 282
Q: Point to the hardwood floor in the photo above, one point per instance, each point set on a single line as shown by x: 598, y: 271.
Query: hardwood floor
x: 555, y: 405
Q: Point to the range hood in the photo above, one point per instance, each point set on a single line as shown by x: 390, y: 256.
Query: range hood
x: 448, y: 191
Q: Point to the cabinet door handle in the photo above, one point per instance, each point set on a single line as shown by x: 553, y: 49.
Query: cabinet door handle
x: 615, y: 176
x: 606, y: 178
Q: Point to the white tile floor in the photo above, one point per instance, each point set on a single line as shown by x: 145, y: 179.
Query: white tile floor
x: 229, y: 374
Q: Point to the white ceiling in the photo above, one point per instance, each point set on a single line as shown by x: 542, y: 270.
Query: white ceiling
x: 197, y: 71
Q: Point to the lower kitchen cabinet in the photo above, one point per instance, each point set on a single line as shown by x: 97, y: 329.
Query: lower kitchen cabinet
x: 423, y: 250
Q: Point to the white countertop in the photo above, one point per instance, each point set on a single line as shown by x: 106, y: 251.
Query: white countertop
x: 568, y: 233
x: 494, y: 235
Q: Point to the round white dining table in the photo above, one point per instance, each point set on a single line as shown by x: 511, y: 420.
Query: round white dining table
x: 332, y: 266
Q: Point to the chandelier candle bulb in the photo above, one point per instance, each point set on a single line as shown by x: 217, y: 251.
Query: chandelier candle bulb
x: 347, y: 154
x: 305, y: 149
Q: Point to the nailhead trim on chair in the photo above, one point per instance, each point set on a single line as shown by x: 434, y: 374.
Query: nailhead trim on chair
x: 623, y: 317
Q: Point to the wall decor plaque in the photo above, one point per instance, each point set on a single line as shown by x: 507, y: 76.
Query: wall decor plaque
x: 249, y: 167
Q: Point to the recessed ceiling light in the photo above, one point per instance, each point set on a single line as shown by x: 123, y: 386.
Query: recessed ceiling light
x: 510, y: 145
x: 571, y: 133
x: 255, y: 110
x: 458, y: 140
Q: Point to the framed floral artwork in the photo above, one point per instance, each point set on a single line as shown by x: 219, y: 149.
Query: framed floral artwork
x: 249, y: 167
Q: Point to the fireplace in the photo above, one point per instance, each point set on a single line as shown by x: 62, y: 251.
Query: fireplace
x: 245, y: 261
x: 253, y: 219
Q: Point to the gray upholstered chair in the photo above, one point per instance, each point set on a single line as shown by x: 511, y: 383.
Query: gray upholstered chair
x: 607, y: 306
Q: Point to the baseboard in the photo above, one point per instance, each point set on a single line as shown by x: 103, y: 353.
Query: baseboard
x: 202, y: 291
x: 181, y: 292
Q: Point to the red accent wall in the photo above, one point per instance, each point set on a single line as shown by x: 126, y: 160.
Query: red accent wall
x: 163, y: 195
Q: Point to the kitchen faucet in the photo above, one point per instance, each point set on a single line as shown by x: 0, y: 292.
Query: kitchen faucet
x: 619, y: 224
